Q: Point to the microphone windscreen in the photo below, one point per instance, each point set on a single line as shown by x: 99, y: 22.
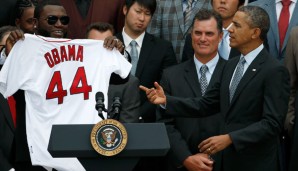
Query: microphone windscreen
x: 99, y: 95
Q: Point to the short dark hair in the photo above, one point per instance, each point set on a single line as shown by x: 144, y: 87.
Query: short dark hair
x: 100, y: 26
x: 148, y: 4
x: 42, y: 4
x: 6, y: 29
x: 21, y: 5
x: 205, y: 14
x: 257, y: 18
x: 241, y: 2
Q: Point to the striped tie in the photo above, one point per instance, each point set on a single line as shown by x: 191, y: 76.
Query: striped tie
x: 237, y: 77
x: 187, y: 13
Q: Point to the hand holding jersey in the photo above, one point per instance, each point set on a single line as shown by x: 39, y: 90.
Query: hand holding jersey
x: 60, y: 85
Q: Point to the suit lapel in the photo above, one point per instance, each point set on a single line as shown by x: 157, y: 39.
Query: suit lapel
x: 216, y: 73
x: 192, y: 78
x: 273, y: 22
x: 179, y: 14
x: 251, y: 71
x: 148, y: 44
x: 225, y: 82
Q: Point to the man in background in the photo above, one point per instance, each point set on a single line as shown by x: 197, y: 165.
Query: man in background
x: 192, y: 79
x: 227, y: 10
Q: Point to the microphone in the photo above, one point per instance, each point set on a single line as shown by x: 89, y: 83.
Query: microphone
x: 100, y: 106
x: 116, y: 106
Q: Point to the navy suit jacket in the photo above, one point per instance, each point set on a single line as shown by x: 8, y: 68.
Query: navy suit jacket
x: 253, y: 119
x: 186, y: 133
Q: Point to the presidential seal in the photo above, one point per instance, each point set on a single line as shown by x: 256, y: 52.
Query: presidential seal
x: 108, y: 137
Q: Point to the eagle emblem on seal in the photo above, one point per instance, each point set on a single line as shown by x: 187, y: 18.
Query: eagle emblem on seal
x: 109, y: 137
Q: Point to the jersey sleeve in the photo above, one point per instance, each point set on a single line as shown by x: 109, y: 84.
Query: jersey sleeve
x: 121, y: 65
x: 15, y: 70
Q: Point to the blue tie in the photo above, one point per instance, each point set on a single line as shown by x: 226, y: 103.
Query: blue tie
x: 237, y: 77
x: 134, y: 57
x: 224, y: 46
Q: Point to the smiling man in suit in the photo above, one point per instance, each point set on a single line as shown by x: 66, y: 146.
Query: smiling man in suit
x: 227, y: 10
x: 191, y: 79
x: 149, y: 55
x: 252, y: 95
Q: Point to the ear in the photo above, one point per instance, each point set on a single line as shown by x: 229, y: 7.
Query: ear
x: 256, y: 33
x: 124, y: 9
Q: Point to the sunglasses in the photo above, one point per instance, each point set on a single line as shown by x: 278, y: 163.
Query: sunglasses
x: 53, y: 19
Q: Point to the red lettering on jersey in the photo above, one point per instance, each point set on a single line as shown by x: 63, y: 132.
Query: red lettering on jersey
x: 71, y: 52
x: 49, y: 59
x: 56, y: 56
x: 75, y: 53
x: 63, y: 54
x: 80, y: 54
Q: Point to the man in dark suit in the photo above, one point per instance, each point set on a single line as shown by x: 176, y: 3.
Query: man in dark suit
x: 227, y: 10
x: 152, y: 54
x: 7, y: 136
x: 252, y: 96
x: 187, y: 80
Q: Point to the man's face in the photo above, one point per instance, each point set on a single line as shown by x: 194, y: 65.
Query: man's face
x: 97, y: 35
x: 137, y: 19
x: 205, y: 38
x: 241, y: 33
x: 226, y: 8
x: 56, y: 29
x: 27, y: 21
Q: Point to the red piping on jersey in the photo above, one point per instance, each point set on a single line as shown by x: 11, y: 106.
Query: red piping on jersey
x: 65, y: 40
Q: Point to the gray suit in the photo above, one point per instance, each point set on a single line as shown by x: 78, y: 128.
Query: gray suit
x: 273, y: 35
x: 168, y: 22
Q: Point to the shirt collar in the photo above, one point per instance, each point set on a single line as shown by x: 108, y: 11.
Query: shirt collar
x: 211, y: 64
x: 253, y: 54
x: 278, y: 1
x: 127, y: 39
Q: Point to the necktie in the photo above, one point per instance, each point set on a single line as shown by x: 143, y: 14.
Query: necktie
x: 237, y: 77
x: 224, y: 46
x: 134, y: 56
x: 187, y: 13
x: 283, y: 21
x: 203, y: 79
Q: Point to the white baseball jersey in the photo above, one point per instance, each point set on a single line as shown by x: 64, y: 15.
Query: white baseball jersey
x: 60, y: 78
